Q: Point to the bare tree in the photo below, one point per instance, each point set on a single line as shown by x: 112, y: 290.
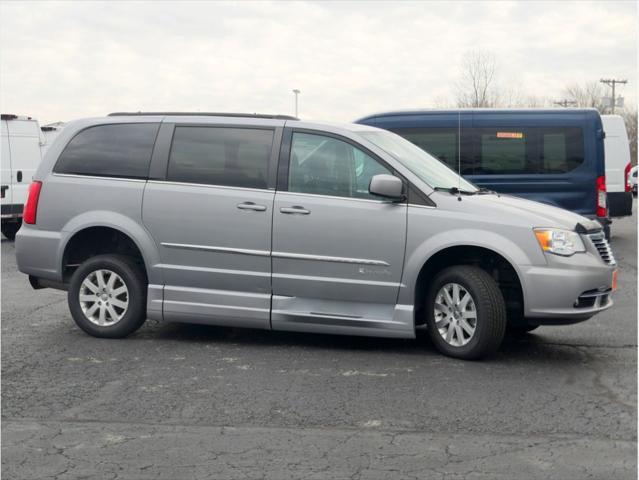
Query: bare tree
x: 476, y: 87
x: 630, y: 118
x: 588, y: 95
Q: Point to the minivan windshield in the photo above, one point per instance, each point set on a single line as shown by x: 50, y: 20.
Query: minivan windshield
x: 425, y: 166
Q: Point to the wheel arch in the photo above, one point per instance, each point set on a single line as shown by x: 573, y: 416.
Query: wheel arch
x: 94, y: 223
x: 468, y: 248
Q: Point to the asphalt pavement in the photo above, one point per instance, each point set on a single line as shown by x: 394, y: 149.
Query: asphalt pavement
x: 177, y: 401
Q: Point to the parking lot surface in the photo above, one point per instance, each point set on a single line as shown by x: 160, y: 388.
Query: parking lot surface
x: 180, y: 401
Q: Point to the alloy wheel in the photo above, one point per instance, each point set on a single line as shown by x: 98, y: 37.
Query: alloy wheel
x: 104, y: 297
x: 455, y: 314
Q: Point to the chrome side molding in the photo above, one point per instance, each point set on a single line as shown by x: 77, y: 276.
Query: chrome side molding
x: 264, y: 253
x: 208, y: 248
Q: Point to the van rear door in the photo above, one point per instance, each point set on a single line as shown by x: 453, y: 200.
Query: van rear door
x: 24, y: 144
x: 5, y: 172
x: 617, y: 151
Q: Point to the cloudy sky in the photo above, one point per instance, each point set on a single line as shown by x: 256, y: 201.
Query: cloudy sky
x: 63, y: 60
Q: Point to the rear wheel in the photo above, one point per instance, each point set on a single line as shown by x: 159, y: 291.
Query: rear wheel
x: 465, y: 312
x: 9, y: 229
x: 107, y: 296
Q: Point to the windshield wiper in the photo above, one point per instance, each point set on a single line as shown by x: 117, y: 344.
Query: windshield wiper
x: 454, y: 191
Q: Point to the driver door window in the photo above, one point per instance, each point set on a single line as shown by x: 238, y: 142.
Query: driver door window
x: 327, y: 166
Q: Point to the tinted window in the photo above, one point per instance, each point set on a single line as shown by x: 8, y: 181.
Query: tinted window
x: 562, y: 149
x: 503, y: 151
x: 529, y: 150
x: 122, y: 150
x: 439, y: 142
x: 499, y: 151
x: 236, y: 157
x: 443, y: 144
x: 328, y: 166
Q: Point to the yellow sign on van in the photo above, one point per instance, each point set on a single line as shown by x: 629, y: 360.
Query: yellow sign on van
x: 510, y: 135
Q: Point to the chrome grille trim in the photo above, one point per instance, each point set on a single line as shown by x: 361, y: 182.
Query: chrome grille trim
x: 603, y: 247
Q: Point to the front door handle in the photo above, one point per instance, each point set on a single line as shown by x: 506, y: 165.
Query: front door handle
x: 295, y: 209
x: 251, y: 206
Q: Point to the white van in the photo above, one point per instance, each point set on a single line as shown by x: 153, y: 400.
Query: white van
x: 20, y: 155
x: 617, y: 153
x: 49, y: 133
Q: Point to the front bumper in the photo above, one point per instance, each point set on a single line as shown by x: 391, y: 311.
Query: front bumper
x: 567, y: 289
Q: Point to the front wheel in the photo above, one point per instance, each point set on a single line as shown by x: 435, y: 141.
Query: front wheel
x: 465, y: 312
x: 107, y: 296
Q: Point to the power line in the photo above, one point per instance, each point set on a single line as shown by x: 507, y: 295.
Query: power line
x: 565, y: 103
x: 611, y: 82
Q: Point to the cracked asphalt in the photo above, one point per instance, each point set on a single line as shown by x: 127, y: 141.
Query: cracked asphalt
x: 185, y: 401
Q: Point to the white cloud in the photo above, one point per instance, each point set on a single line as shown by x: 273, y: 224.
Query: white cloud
x: 62, y: 60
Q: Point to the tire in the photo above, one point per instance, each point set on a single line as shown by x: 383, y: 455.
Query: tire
x: 9, y: 229
x: 486, y: 301
x: 128, y: 274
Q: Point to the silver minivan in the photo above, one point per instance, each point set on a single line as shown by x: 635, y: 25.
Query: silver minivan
x: 269, y: 222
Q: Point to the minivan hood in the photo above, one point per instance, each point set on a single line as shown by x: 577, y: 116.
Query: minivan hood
x: 535, y: 213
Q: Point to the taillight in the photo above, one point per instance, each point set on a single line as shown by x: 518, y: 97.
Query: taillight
x: 626, y: 177
x: 31, y: 207
x: 602, y: 209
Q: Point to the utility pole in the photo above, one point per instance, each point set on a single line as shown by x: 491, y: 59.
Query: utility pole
x: 565, y: 103
x: 296, y: 92
x: 611, y: 82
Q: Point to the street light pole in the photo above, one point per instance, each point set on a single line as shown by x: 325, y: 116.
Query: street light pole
x: 296, y: 92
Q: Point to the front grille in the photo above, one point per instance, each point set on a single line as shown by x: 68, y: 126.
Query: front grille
x: 602, y: 246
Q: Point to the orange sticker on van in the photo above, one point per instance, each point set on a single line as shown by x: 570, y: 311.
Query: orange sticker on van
x: 510, y: 135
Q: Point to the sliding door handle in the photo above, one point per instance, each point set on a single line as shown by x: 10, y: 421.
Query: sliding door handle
x: 251, y: 206
x: 295, y: 209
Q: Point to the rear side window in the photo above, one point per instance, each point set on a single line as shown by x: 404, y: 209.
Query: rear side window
x: 535, y: 150
x: 562, y: 150
x: 235, y: 157
x: 503, y: 150
x: 119, y: 150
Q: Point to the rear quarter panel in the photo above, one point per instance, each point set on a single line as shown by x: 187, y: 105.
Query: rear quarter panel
x: 69, y: 204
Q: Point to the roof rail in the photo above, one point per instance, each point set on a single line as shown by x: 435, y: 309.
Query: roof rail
x: 203, y: 114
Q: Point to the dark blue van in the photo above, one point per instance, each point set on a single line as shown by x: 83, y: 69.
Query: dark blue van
x: 554, y: 156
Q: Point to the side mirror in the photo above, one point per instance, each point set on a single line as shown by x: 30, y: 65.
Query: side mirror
x: 387, y: 186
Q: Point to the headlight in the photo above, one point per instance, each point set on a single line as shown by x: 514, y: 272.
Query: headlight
x: 559, y: 242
